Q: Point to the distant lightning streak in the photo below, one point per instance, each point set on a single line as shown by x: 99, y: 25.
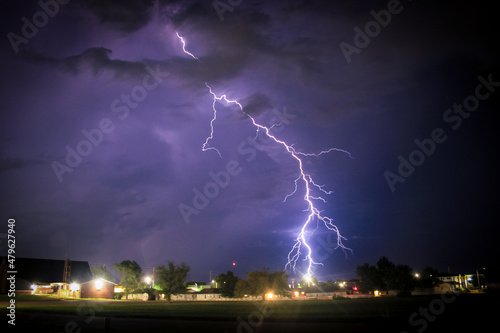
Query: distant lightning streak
x: 184, y: 47
x: 301, y: 246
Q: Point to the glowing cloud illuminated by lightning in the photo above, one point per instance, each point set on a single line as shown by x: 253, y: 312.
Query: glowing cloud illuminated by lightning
x: 301, y: 248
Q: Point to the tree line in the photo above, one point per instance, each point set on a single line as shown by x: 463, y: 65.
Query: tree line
x: 170, y: 280
x: 385, y: 276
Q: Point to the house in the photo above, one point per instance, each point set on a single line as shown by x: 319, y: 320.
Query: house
x: 47, y: 274
x: 97, y: 288
x: 207, y: 294
x: 449, y: 283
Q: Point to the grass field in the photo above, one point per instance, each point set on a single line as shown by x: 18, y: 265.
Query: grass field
x: 286, y: 310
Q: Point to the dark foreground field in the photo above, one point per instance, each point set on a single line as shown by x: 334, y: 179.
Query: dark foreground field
x: 450, y: 313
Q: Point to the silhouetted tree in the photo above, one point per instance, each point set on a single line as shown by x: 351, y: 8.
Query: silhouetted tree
x: 227, y: 283
x: 386, y: 276
x: 241, y: 288
x: 401, y: 279
x: 171, y: 279
x: 428, y: 277
x: 262, y: 282
x: 369, y: 278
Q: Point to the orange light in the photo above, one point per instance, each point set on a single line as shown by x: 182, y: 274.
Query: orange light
x: 234, y: 264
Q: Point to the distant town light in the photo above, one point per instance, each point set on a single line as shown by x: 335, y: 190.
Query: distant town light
x: 269, y: 296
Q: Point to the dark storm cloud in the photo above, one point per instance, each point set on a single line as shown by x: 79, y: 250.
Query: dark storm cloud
x: 96, y: 60
x: 257, y: 103
x: 126, y: 15
x: 7, y: 164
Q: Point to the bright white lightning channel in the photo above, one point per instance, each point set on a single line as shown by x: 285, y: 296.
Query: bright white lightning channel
x: 301, y: 246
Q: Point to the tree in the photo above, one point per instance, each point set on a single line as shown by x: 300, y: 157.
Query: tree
x: 130, y: 274
x: 385, y: 276
x: 171, y: 279
x: 369, y: 278
x: 400, y: 278
x: 262, y: 282
x: 428, y: 277
x: 227, y: 283
x: 101, y: 272
x: 241, y: 288
x: 384, y: 269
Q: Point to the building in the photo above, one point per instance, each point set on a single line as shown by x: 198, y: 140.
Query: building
x: 450, y: 283
x: 97, y: 288
x: 47, y: 274
x: 207, y: 294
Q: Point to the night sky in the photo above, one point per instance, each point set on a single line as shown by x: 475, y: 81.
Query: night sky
x: 109, y: 79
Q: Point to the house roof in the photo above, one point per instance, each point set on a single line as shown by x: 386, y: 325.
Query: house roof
x: 46, y: 271
x: 104, y: 280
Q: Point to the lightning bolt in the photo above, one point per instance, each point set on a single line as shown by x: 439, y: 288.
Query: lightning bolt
x: 301, y: 246
x: 184, y: 47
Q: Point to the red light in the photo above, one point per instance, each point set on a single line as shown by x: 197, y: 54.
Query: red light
x: 234, y: 264
x: 355, y: 288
